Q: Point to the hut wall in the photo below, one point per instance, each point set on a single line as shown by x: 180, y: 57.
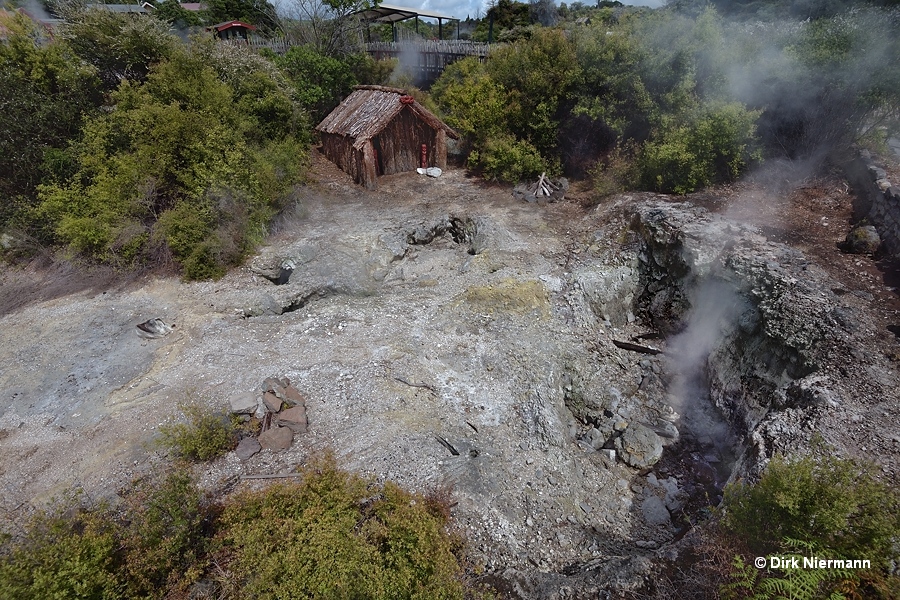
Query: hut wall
x: 339, y: 150
x: 400, y: 144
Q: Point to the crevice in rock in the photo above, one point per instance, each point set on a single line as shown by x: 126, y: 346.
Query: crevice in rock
x: 284, y: 275
x: 305, y: 299
x: 462, y: 230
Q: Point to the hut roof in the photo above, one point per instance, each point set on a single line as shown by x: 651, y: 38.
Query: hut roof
x: 230, y: 24
x: 367, y: 111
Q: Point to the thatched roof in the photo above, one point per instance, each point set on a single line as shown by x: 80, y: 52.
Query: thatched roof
x: 364, y: 113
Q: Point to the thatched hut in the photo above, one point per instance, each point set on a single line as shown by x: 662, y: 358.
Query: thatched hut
x: 379, y: 131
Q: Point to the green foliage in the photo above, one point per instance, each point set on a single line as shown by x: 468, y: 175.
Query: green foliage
x: 163, y: 539
x: 820, y: 506
x: 717, y: 146
x: 320, y: 81
x: 788, y: 583
x: 473, y: 103
x: 339, y: 536
x: 260, y: 13
x: 609, y: 86
x: 45, y: 93
x: 207, y: 434
x: 119, y: 46
x: 173, y: 13
x: 506, y: 15
x: 67, y: 554
x: 537, y: 75
x: 504, y: 158
x: 835, y: 503
x: 153, y: 544
x: 180, y: 166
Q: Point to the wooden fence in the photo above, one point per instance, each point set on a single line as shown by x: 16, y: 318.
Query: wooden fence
x: 425, y: 60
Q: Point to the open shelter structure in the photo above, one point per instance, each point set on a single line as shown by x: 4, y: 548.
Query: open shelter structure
x: 389, y: 13
x: 379, y: 130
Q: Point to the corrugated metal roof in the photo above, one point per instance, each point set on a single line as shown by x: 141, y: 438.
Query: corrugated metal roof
x: 368, y: 110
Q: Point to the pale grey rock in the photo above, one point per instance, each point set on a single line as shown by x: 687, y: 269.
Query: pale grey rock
x: 639, y: 446
x: 655, y: 511
x: 247, y: 447
x: 243, y: 403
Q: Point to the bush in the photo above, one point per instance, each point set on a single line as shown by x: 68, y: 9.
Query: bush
x: 320, y: 81
x: 470, y: 101
x: 333, y: 535
x: 339, y: 536
x: 716, y: 146
x: 46, y: 93
x: 163, y: 538
x: 815, y: 506
x: 194, y: 161
x: 835, y: 503
x: 505, y: 158
x: 207, y: 434
x: 67, y: 553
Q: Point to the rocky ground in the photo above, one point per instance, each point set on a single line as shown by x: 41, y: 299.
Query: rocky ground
x: 446, y: 335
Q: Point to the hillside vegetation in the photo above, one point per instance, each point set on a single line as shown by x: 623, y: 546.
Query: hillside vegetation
x: 128, y: 146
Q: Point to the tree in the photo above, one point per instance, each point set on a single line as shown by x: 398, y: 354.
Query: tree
x: 320, y: 82
x: 119, y: 46
x: 177, y: 169
x: 544, y: 12
x: 331, y: 27
x: 172, y: 12
x: 45, y: 94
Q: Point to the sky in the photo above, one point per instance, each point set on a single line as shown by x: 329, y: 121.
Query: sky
x: 473, y: 8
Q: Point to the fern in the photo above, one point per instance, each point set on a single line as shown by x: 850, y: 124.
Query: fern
x: 787, y: 583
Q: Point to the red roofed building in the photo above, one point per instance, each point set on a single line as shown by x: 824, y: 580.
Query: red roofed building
x: 232, y: 30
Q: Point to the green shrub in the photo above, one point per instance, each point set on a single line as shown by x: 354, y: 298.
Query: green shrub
x: 505, y: 158
x: 207, y: 434
x: 320, y: 81
x: 471, y: 102
x: 337, y: 535
x: 69, y: 553
x: 817, y: 506
x: 163, y: 540
x: 718, y: 145
x: 194, y: 161
x: 793, y: 583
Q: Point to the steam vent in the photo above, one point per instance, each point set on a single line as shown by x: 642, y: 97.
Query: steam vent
x: 380, y: 131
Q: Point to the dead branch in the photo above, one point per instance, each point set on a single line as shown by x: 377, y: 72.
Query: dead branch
x: 636, y: 347
x: 415, y: 385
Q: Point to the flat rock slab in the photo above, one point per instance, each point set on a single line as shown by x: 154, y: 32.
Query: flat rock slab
x: 243, y: 404
x: 655, y: 511
x: 272, y: 402
x: 247, y: 448
x: 294, y: 419
x: 293, y: 395
x: 276, y: 438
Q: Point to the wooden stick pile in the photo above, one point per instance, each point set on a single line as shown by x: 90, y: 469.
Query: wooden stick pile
x: 543, y: 187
